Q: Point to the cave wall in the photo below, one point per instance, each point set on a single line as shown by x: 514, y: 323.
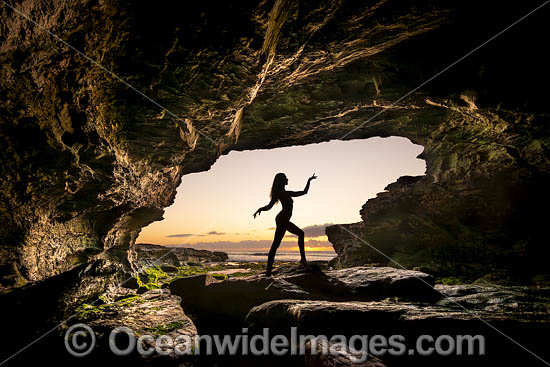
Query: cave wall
x: 476, y: 211
x: 87, y: 161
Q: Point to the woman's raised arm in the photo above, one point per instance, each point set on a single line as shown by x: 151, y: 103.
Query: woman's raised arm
x: 305, y: 190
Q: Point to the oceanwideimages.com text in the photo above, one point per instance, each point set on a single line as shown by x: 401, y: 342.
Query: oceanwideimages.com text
x: 80, y: 341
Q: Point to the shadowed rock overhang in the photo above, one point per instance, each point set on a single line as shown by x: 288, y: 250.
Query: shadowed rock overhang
x: 87, y: 162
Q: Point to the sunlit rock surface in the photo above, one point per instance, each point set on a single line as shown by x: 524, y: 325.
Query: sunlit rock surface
x: 87, y: 161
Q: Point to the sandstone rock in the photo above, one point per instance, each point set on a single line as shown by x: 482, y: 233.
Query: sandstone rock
x: 224, y: 304
x: 328, y: 319
x: 437, y: 223
x: 155, y: 312
x: 202, y: 295
x: 525, y: 300
x: 495, y: 278
x: 38, y: 308
x: 88, y: 162
x: 141, y: 290
x: 346, y: 318
x: 542, y: 280
x: 341, y: 356
x: 382, y: 282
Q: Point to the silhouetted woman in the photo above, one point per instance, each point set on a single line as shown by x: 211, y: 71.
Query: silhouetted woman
x: 278, y: 193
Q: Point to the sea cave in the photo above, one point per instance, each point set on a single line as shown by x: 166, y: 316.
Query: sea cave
x: 107, y: 106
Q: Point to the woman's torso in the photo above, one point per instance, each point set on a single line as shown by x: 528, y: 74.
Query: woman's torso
x: 286, y: 203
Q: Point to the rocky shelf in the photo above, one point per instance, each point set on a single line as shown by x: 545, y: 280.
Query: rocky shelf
x: 355, y: 301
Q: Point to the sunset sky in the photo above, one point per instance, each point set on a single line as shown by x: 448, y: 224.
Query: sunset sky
x: 213, y: 210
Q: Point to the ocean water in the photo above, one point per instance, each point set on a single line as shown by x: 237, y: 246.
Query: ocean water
x: 280, y: 256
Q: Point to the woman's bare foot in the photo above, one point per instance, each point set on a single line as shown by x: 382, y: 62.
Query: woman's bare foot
x: 305, y: 264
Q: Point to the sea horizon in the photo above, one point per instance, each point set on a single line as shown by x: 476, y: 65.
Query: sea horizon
x: 260, y: 256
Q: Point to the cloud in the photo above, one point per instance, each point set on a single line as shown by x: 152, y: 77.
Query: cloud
x: 211, y: 233
x: 316, y: 230
x: 180, y: 235
x: 215, y: 233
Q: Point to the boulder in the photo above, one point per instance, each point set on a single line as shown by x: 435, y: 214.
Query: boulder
x: 500, y: 330
x: 155, y: 312
x: 381, y: 282
x: 202, y: 295
x: 346, y: 318
x: 341, y: 356
x: 222, y: 305
x: 527, y: 300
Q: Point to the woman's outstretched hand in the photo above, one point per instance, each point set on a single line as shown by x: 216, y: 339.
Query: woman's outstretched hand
x: 257, y: 213
x: 312, y: 177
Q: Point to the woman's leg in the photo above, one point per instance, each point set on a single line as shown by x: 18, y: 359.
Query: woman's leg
x: 279, y: 234
x: 293, y: 228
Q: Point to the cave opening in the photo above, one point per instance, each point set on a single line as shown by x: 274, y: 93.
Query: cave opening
x: 213, y: 210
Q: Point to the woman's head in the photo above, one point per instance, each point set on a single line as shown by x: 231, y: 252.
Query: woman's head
x: 279, y: 183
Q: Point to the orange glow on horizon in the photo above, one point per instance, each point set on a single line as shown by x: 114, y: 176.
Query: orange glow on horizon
x: 310, y: 249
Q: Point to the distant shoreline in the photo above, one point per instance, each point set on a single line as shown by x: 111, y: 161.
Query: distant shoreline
x: 279, y: 252
x: 245, y: 256
x: 175, y: 255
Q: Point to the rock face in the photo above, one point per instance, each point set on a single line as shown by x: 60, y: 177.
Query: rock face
x: 529, y: 302
x: 385, y: 319
x: 87, y: 161
x: 341, y: 357
x: 146, y: 313
x: 380, y: 282
x: 227, y: 302
x: 148, y: 255
x: 154, y: 313
x: 37, y: 309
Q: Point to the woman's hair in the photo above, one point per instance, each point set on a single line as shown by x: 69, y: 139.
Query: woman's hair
x: 278, y: 186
